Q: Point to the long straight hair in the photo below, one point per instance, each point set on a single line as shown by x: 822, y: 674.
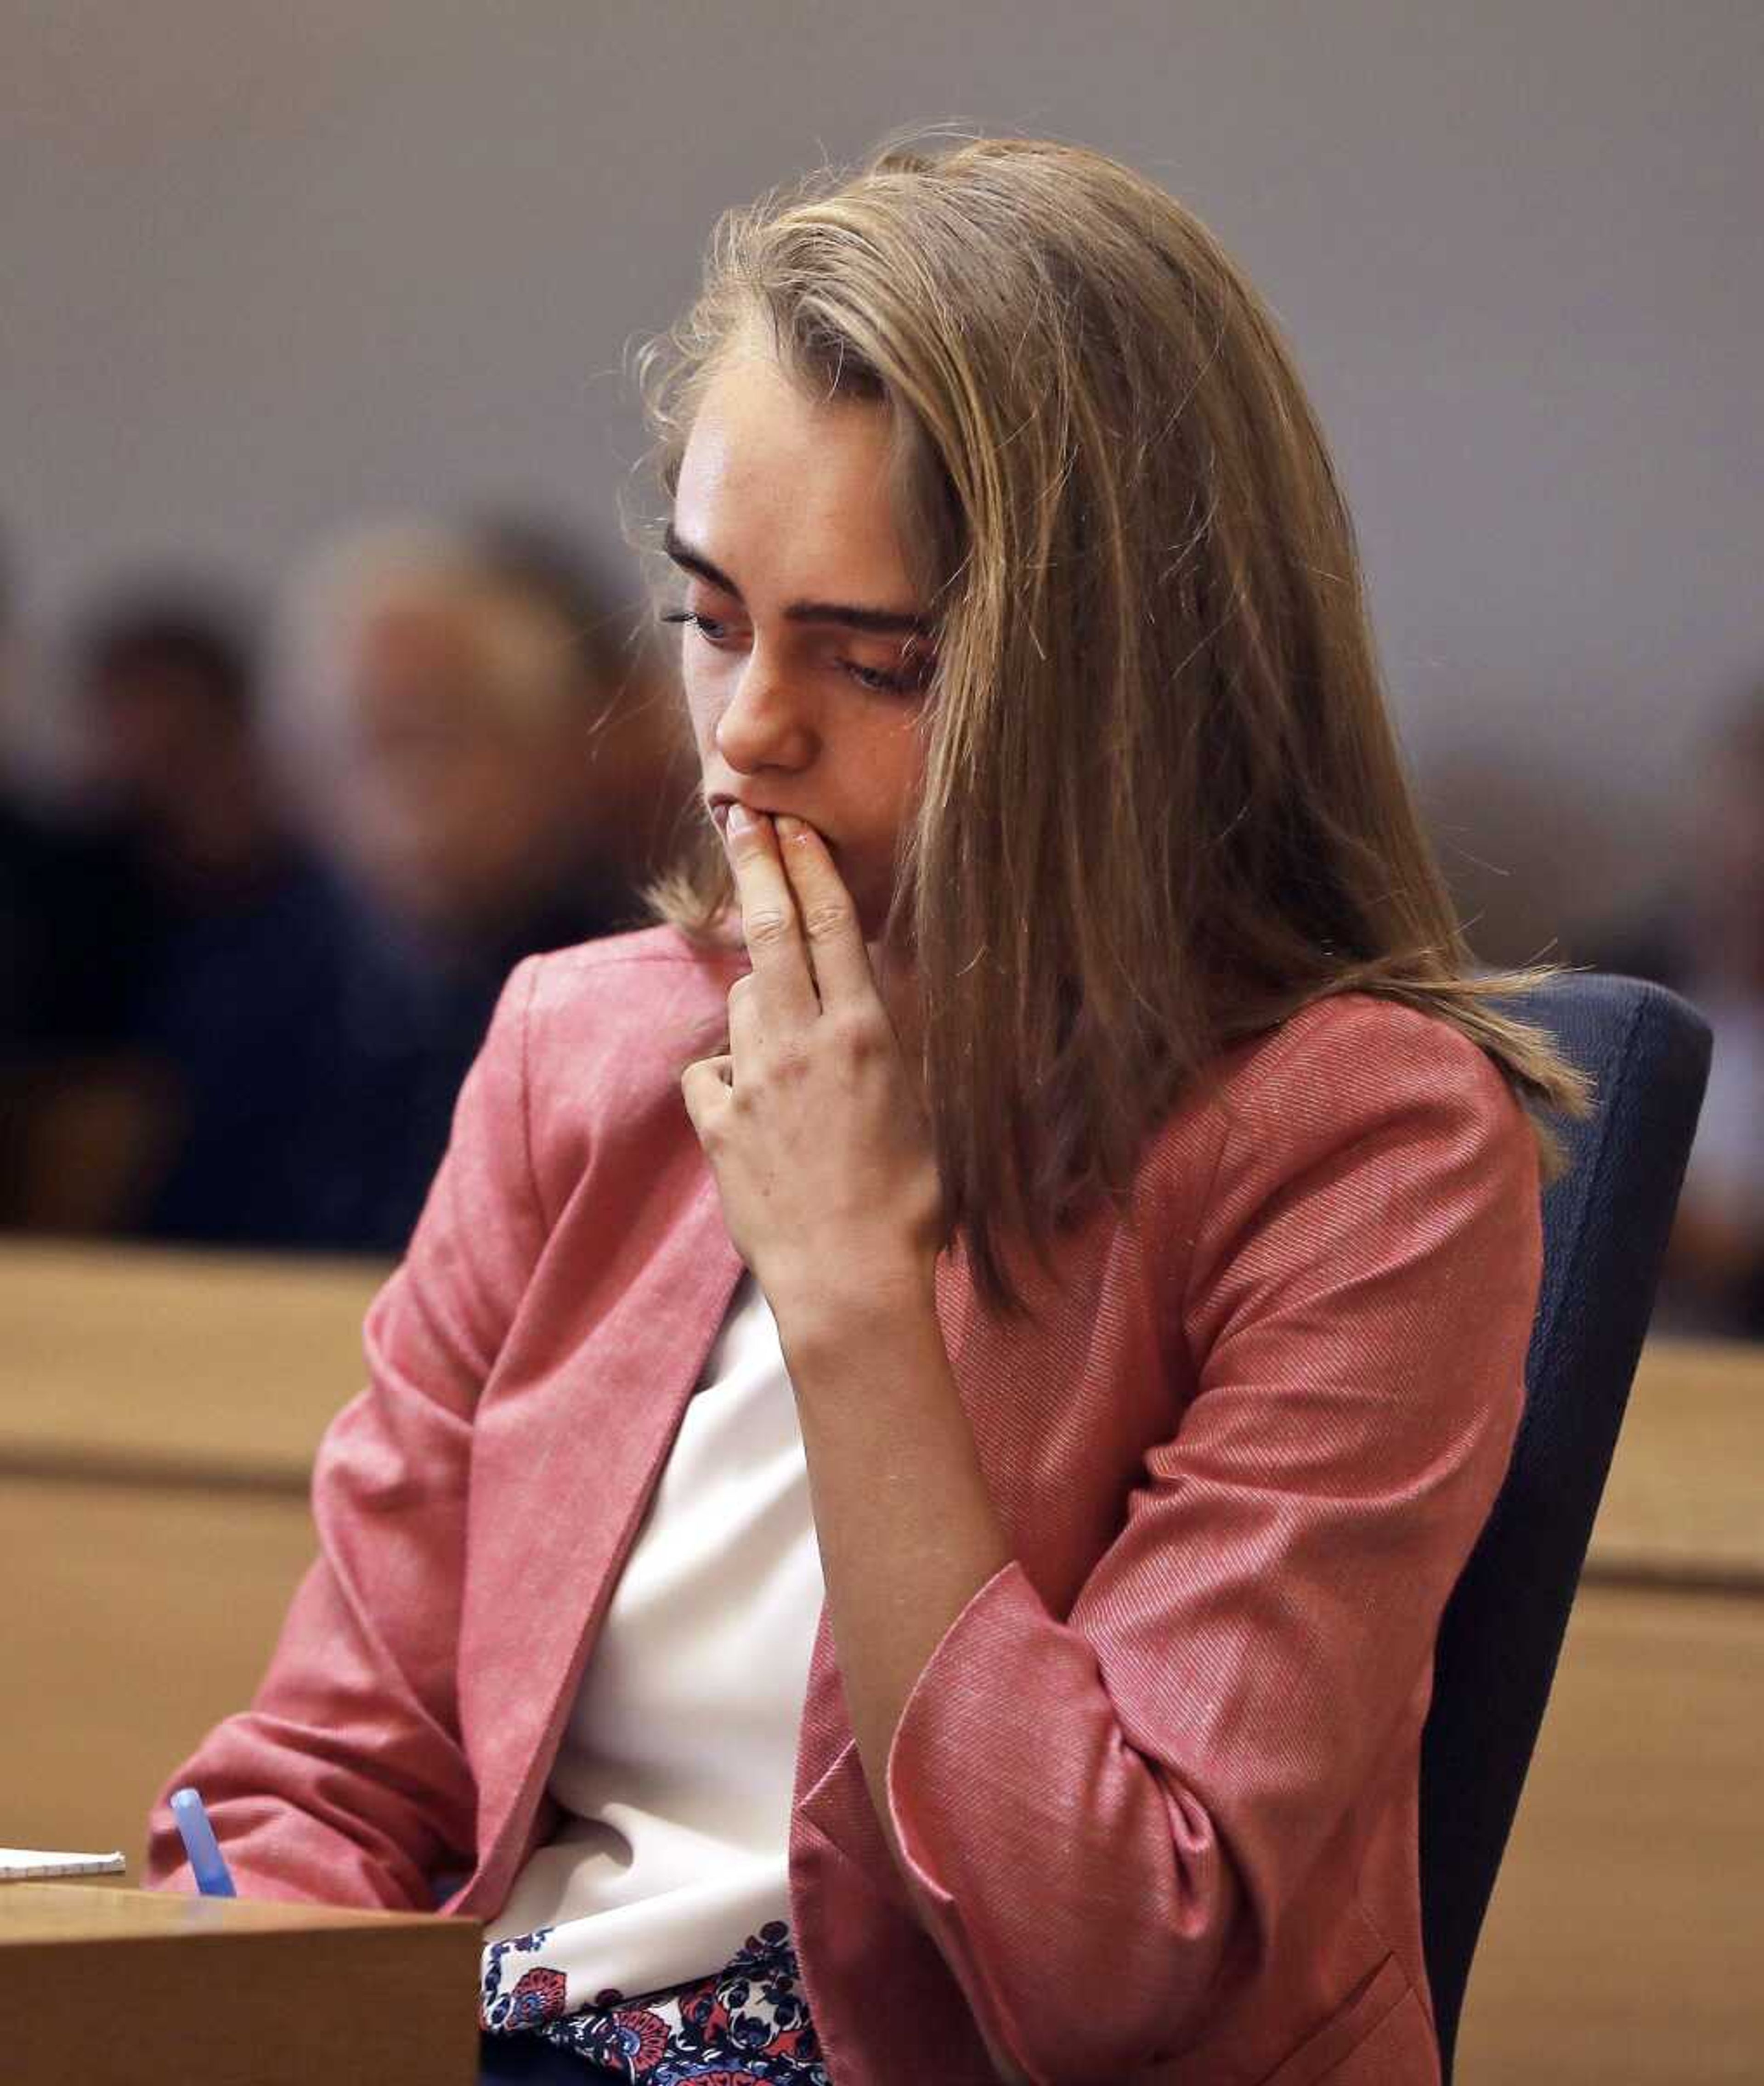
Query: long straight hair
x: 1163, y: 804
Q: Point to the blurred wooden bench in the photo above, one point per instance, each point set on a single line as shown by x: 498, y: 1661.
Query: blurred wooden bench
x: 1622, y: 1944
x: 158, y: 1416
x: 1684, y: 1507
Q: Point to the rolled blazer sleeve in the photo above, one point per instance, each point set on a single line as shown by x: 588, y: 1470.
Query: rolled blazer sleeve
x: 1122, y: 1803
x: 345, y: 1781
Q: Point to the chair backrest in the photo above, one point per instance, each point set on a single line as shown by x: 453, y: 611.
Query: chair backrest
x: 1606, y: 1223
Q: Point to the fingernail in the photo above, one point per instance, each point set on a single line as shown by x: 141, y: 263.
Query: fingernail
x: 739, y: 820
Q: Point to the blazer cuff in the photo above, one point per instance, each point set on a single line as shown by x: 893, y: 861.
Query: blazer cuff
x: 949, y: 1736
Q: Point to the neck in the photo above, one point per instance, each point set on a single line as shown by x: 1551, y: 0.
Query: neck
x: 895, y: 982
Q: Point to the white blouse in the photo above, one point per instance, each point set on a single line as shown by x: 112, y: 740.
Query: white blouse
x: 676, y: 1766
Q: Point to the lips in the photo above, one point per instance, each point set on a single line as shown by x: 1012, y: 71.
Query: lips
x: 720, y: 800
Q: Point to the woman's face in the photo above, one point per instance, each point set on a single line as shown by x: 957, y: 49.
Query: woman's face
x: 805, y: 653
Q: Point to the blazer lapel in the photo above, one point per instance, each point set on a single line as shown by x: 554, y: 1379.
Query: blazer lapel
x: 608, y: 1415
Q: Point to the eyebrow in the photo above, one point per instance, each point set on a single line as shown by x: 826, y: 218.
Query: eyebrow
x: 873, y: 622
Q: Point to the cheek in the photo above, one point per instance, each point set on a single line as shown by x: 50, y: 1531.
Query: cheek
x: 703, y: 708
x: 892, y: 770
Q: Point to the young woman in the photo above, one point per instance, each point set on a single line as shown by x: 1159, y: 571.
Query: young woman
x: 911, y: 1468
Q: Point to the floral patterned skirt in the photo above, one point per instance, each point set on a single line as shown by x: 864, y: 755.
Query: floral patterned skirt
x: 746, y: 2025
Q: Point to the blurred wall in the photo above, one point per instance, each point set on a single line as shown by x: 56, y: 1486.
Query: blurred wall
x: 263, y: 269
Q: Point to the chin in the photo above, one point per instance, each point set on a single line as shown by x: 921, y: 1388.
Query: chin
x: 872, y: 924
x: 872, y: 912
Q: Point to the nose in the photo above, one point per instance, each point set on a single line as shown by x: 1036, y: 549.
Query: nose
x: 768, y: 722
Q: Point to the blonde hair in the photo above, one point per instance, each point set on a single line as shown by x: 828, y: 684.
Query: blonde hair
x: 1163, y: 807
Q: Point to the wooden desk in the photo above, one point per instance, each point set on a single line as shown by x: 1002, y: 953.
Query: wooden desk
x: 119, y: 1988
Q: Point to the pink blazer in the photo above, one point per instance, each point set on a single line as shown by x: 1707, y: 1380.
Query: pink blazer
x: 1156, y: 1786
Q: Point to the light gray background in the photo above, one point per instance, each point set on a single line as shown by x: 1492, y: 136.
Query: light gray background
x: 264, y: 269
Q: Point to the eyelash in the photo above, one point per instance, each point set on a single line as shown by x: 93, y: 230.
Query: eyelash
x: 872, y: 678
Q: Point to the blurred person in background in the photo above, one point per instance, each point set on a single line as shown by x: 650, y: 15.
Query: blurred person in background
x: 28, y: 990
x: 85, y: 1113
x: 489, y: 773
x: 1702, y: 935
x: 53, y: 1001
x: 54, y: 1007
x: 208, y: 928
x: 165, y: 682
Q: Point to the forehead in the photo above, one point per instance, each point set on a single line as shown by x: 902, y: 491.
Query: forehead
x: 789, y: 494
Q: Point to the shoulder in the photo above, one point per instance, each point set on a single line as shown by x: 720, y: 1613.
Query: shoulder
x: 650, y: 988
x: 594, y: 1038
x: 646, y: 958
x: 1365, y: 1132
x: 1355, y: 1085
x: 1356, y: 1050
x: 1374, y: 1191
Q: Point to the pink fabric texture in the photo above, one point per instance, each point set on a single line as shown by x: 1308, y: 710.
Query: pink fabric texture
x: 1156, y: 1788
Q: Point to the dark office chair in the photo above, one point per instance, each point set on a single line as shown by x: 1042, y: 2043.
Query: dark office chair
x: 1606, y: 1227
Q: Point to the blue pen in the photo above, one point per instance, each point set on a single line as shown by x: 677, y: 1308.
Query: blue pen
x: 207, y: 1863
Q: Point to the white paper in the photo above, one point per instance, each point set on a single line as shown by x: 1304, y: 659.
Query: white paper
x: 35, y: 1864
